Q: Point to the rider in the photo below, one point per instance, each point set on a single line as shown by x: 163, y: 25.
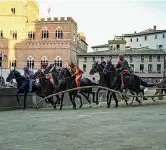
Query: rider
x: 77, y: 72
x: 29, y: 75
x: 108, y: 66
x: 123, y: 66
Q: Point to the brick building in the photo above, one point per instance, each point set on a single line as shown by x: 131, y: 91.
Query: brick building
x: 27, y: 40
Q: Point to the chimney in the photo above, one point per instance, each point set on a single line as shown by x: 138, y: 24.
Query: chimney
x: 135, y: 32
x: 154, y: 27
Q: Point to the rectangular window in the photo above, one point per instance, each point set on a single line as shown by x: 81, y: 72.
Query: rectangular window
x: 137, y: 40
x: 150, y: 58
x: 150, y: 68
x: 158, y: 68
x: 142, y: 68
x: 93, y: 59
x: 159, y: 46
x: 13, y: 10
x: 85, y: 59
x: 14, y: 35
x: 31, y: 35
x: 131, y: 40
x: 142, y: 59
x: 84, y: 67
x: 158, y: 58
x: 118, y: 47
x: 163, y: 36
x: 155, y: 37
x: 145, y: 38
x: 102, y: 58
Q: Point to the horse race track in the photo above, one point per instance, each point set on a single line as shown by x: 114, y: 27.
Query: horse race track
x: 124, y: 128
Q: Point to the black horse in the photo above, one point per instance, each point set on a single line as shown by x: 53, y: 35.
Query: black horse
x: 106, y: 80
x: 69, y: 82
x: 48, y: 88
x: 23, y: 86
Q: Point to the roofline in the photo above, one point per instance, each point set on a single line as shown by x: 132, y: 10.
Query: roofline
x: 99, y: 46
x: 144, y: 33
x: 118, y: 54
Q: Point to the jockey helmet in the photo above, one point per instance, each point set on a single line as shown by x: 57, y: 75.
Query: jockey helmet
x: 25, y: 68
x: 70, y: 63
x: 121, y: 56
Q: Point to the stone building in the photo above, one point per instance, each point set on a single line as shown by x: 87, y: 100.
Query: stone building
x: 27, y: 40
x: 146, y: 62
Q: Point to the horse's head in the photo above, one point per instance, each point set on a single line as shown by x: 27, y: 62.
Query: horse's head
x: 47, y: 69
x: 64, y: 73
x: 39, y: 74
x: 96, y: 68
x: 13, y: 75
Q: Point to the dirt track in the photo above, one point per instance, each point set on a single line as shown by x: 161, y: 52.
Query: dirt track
x: 124, y: 128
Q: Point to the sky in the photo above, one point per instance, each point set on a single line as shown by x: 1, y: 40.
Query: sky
x: 101, y: 20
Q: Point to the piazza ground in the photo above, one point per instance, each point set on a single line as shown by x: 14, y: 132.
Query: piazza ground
x: 96, y: 128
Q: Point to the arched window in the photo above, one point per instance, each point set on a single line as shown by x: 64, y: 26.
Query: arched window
x: 59, y: 34
x: 13, y: 62
x: 45, y: 34
x: 30, y: 62
x: 31, y: 35
x: 44, y: 62
x: 58, y: 61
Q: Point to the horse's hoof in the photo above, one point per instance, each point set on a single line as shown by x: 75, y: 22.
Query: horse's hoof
x: 116, y: 106
x: 60, y: 109
x: 80, y: 107
x: 90, y: 106
x: 74, y: 108
x: 54, y: 107
x: 108, y: 106
x: 23, y: 109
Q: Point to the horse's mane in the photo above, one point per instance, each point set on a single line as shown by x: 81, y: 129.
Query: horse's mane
x: 68, y: 72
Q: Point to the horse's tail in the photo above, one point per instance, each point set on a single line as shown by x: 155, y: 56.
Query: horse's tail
x: 143, y: 83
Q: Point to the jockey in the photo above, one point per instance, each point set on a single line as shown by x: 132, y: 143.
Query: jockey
x: 77, y: 72
x: 123, y: 66
x: 108, y: 66
x: 29, y: 75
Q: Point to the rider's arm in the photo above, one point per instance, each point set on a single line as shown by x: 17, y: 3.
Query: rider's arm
x: 124, y: 65
x: 118, y: 65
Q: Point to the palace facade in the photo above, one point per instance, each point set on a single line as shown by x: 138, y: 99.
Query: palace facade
x: 27, y: 40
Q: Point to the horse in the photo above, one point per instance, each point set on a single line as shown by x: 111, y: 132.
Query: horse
x: 106, y: 80
x: 132, y: 82
x: 23, y: 86
x: 57, y: 87
x: 47, y: 88
x: 70, y: 83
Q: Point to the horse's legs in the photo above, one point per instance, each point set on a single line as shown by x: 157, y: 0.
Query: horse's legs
x: 133, y: 97
x: 93, y: 94
x: 78, y: 96
x: 74, y: 103
x: 70, y: 96
x: 86, y: 97
x: 61, y: 101
x: 138, y: 99
x: 115, y: 98
x: 25, y: 96
x: 97, y: 94
x: 108, y: 100
x: 18, y: 97
x: 52, y: 102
